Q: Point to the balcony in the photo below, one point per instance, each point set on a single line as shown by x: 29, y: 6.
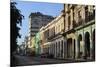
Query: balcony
x: 80, y: 22
x: 52, y: 36
x: 83, y: 21
x: 90, y: 17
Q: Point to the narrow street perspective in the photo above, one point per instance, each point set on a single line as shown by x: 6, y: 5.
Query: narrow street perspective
x: 29, y: 60
x: 52, y: 33
x: 26, y: 60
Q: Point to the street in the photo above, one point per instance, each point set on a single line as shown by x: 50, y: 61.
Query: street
x: 30, y: 60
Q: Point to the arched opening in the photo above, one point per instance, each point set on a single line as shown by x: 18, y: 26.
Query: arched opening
x: 79, y: 42
x: 56, y: 50
x: 93, y: 44
x: 69, y: 48
x: 59, y: 49
x: 87, y: 44
x: 74, y: 48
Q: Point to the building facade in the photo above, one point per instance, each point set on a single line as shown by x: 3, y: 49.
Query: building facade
x: 72, y: 34
x: 52, y: 42
x: 80, y: 31
x: 36, y: 21
x: 37, y: 44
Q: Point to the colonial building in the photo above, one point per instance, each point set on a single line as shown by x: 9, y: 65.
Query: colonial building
x: 52, y: 42
x: 72, y: 34
x: 80, y: 31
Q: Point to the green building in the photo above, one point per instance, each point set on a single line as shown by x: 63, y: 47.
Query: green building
x: 37, y: 43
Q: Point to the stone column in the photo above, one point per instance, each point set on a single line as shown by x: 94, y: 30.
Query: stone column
x: 83, y: 40
x: 73, y: 49
x: 77, y: 48
x: 49, y: 48
x: 65, y: 48
x: 71, y: 19
x: 55, y: 50
x: 60, y: 49
x: 91, y: 48
x: 91, y: 43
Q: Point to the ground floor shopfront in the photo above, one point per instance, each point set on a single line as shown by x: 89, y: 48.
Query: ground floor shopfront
x: 78, y: 44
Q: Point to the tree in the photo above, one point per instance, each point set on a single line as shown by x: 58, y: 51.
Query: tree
x: 16, y: 18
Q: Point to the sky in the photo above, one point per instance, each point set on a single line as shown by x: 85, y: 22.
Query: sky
x: 27, y: 7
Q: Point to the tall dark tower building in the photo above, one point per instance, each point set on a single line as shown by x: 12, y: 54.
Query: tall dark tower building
x: 36, y: 21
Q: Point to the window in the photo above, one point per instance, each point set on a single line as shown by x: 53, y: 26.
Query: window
x: 53, y: 31
x: 86, y: 13
x: 69, y: 21
x: 58, y: 28
x: 79, y: 14
x: 79, y: 18
x: 36, y: 22
x: 62, y: 26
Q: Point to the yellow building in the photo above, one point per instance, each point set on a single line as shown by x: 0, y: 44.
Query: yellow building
x: 31, y: 46
x: 51, y: 36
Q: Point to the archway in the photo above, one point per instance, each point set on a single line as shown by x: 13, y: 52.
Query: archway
x: 74, y: 48
x: 59, y: 49
x: 93, y: 44
x: 56, y: 50
x: 79, y: 40
x: 69, y: 48
x: 87, y: 44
